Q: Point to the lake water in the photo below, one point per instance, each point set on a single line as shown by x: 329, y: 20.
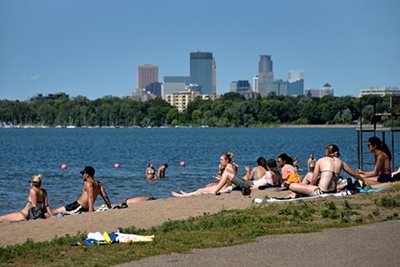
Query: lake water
x: 31, y: 151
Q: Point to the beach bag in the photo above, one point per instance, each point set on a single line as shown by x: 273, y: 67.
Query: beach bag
x: 294, y: 178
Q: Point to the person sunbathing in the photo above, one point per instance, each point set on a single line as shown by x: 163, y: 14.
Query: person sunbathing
x: 224, y: 184
x: 325, y: 176
x: 37, y: 206
x: 270, y: 178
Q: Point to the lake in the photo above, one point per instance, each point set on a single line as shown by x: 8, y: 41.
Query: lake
x: 31, y: 151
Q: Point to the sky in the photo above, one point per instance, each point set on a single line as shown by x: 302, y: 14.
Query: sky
x: 93, y: 48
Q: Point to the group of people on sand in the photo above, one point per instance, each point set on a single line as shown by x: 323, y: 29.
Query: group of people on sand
x: 37, y: 206
x: 150, y: 172
x: 323, y: 175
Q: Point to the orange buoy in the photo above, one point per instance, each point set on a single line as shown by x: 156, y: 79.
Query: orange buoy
x: 64, y: 166
x: 182, y: 164
x: 117, y: 165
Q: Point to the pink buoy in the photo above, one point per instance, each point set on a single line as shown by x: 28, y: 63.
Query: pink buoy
x: 117, y: 165
x: 64, y: 166
x: 182, y: 164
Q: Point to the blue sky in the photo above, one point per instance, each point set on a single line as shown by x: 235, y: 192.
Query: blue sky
x: 93, y: 47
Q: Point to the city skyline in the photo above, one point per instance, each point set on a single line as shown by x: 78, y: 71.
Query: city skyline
x: 93, y: 48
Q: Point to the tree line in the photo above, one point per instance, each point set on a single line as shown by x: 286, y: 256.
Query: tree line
x: 229, y: 110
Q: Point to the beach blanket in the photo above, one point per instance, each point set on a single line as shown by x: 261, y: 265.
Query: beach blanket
x: 339, y: 194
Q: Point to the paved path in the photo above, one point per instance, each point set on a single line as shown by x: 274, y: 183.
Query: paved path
x: 367, y: 245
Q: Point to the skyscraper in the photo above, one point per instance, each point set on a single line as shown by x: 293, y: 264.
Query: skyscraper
x: 296, y: 82
x: 147, y: 74
x: 295, y: 75
x: 265, y: 75
x: 203, y: 72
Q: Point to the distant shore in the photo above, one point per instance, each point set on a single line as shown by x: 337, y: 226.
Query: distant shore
x: 182, y: 126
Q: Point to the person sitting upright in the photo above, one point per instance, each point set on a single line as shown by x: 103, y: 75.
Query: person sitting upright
x: 37, y: 206
x: 229, y: 170
x: 382, y: 170
x: 90, y: 191
x: 289, y: 173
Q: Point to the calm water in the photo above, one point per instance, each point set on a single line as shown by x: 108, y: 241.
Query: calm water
x: 31, y: 151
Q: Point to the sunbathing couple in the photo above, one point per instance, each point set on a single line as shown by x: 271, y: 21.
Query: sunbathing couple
x: 38, y: 207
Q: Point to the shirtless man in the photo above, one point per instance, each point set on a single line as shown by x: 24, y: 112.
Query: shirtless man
x: 91, y: 189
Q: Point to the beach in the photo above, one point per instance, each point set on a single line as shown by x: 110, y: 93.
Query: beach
x: 140, y: 215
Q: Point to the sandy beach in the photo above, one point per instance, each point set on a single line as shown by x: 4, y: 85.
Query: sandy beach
x: 140, y: 215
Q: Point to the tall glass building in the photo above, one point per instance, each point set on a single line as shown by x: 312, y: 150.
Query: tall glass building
x: 265, y: 75
x: 203, y: 72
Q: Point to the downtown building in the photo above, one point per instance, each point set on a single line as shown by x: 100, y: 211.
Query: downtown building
x: 148, y: 86
x: 295, y: 82
x: 265, y: 75
x: 203, y: 72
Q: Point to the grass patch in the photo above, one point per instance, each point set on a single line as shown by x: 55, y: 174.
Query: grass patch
x: 213, y: 230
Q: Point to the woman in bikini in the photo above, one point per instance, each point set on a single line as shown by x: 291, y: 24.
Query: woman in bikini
x: 36, y: 207
x: 325, y: 175
x: 150, y: 172
x: 224, y: 184
x: 382, y: 170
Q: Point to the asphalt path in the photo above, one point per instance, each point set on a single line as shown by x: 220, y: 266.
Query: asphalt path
x: 366, y: 245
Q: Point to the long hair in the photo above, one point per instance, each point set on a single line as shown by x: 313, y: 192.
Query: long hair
x: 261, y: 161
x: 375, y: 141
x: 285, y: 158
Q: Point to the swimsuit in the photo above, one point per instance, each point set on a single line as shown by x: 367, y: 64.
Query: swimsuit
x: 319, y: 191
x: 75, y: 208
x: 384, y: 175
x: 384, y: 178
x: 36, y: 212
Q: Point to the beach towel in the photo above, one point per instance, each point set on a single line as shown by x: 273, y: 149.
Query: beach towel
x: 97, y: 238
x: 339, y: 194
x: 131, y: 238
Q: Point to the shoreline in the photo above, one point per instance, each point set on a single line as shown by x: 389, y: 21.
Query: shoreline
x: 189, y: 127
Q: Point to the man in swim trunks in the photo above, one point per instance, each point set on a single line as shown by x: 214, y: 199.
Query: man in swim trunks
x: 91, y: 189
